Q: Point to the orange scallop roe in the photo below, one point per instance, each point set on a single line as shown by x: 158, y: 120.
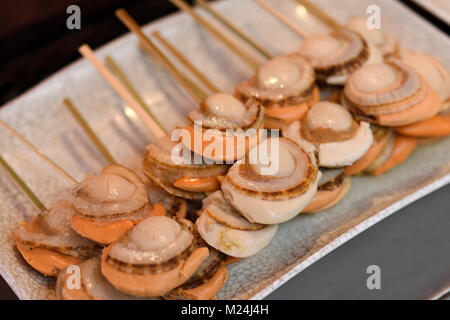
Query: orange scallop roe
x: 159, y: 210
x: 47, y: 261
x: 231, y: 260
x: 315, y: 98
x: 427, y: 108
x: 288, y: 114
x: 208, y: 290
x: 102, y: 232
x: 237, y: 142
x: 72, y: 294
x: 403, y: 147
x: 437, y: 126
x: 369, y: 157
x: 192, y: 184
x: 325, y: 199
x: 156, y: 284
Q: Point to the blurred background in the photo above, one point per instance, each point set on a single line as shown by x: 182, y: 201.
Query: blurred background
x: 35, y: 41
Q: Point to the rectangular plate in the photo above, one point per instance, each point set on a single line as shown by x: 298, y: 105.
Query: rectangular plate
x: 40, y: 116
x: 440, y: 8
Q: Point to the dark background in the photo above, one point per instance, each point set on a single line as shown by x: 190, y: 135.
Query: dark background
x: 35, y: 43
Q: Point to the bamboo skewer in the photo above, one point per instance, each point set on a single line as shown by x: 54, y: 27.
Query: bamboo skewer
x: 38, y: 152
x: 198, y: 94
x: 89, y: 132
x: 113, y: 65
x: 320, y: 14
x: 122, y: 91
x: 200, y: 76
x: 205, y: 5
x: 22, y: 185
x: 282, y: 18
x: 182, y: 5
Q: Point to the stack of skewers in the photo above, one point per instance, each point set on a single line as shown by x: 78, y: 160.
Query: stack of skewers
x: 138, y: 236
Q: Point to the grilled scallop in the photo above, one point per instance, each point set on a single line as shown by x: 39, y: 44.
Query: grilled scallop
x: 273, y: 191
x: 49, y: 244
x: 432, y: 71
x: 109, y: 204
x: 229, y: 128
x: 386, y: 43
x: 381, y: 137
x: 178, y: 173
x: 337, y: 54
x: 206, y: 281
x: 439, y: 79
x: 165, y: 204
x: 92, y: 284
x: 226, y: 230
x: 285, y: 86
x: 331, y: 134
x: 333, y: 187
x: 156, y: 256
x: 390, y: 94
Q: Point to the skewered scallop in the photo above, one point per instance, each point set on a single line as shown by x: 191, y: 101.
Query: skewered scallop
x: 285, y: 86
x: 381, y: 138
x: 109, y: 204
x: 337, y: 54
x: 331, y: 134
x: 93, y: 285
x: 206, y: 281
x: 224, y: 132
x: 439, y: 79
x: 272, y: 196
x: 335, y: 139
x: 225, y: 229
x: 49, y: 244
x: 156, y: 256
x: 177, y: 173
x: 333, y: 187
x: 390, y: 94
x: 386, y: 43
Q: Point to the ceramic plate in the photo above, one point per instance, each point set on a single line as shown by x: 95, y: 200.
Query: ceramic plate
x: 41, y: 117
x: 440, y: 8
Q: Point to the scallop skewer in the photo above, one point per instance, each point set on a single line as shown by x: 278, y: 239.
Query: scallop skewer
x: 428, y: 67
x: 285, y: 85
x: 335, y: 184
x: 242, y: 223
x: 334, y: 55
x: 194, y: 261
x: 186, y: 180
x: 388, y: 149
x: 109, y: 204
x: 48, y: 243
x: 386, y: 43
x: 217, y: 111
x: 211, y: 275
